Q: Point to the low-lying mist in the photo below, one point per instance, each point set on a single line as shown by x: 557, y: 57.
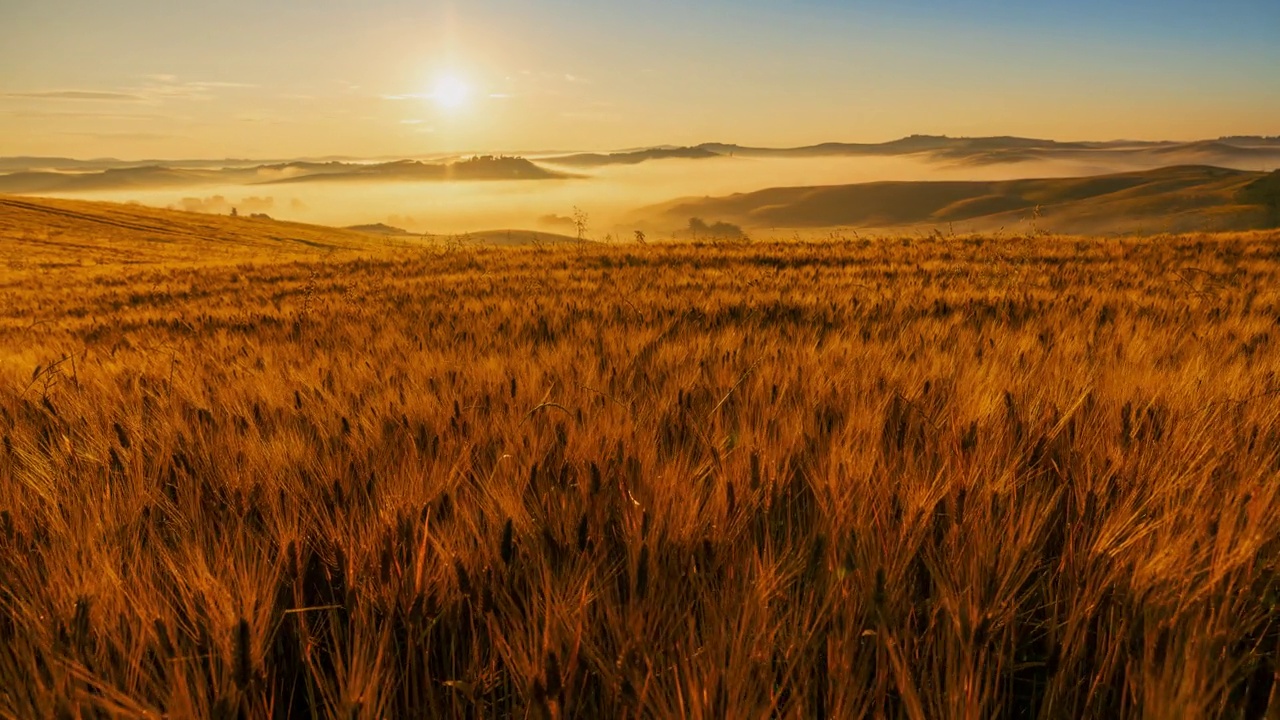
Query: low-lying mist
x: 610, y: 197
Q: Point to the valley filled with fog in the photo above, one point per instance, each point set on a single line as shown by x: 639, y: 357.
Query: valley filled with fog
x: 614, y: 196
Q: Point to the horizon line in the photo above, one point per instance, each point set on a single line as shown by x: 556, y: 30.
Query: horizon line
x: 336, y: 157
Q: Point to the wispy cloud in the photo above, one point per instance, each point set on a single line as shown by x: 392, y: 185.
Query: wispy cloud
x: 168, y: 87
x: 261, y: 118
x: 131, y: 137
x: 86, y: 115
x: 219, y: 84
x: 157, y: 88
x: 79, y: 95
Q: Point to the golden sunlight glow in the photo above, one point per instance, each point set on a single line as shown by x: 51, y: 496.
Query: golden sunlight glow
x: 450, y: 92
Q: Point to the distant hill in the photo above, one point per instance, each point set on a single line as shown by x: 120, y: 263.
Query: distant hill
x: 903, y: 146
x: 50, y: 175
x: 111, y: 179
x: 61, y: 175
x: 39, y: 164
x: 379, y: 229
x: 633, y: 157
x: 970, y: 151
x: 485, y: 167
x: 1251, y: 139
x: 1000, y: 150
x: 1185, y: 198
x: 67, y: 179
x: 505, y: 238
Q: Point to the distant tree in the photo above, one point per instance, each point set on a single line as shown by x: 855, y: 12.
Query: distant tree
x: 717, y: 230
x: 234, y: 213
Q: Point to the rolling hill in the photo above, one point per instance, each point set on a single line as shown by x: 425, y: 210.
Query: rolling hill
x: 633, y: 157
x: 133, y: 178
x: 1245, y: 153
x: 487, y: 167
x: 46, y: 175
x: 1174, y: 199
x: 58, y: 233
x: 513, y: 237
x: 152, y: 177
x: 55, y: 231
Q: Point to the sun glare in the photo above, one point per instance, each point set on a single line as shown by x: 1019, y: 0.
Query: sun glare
x: 450, y: 92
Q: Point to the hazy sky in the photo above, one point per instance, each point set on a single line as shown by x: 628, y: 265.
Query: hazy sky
x: 242, y: 78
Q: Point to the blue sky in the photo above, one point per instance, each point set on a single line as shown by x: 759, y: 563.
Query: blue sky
x: 148, y: 78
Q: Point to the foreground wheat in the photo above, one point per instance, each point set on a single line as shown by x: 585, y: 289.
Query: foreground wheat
x: 965, y: 478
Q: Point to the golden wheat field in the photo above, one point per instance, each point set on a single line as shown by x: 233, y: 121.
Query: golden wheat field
x: 253, y: 469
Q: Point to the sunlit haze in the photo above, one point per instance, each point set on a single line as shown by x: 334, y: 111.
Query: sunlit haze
x: 144, y: 79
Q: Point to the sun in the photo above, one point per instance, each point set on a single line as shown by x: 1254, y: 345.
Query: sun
x: 450, y: 92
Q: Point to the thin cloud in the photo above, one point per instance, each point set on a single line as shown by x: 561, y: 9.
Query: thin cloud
x: 263, y: 119
x: 169, y: 87
x: 168, y: 80
x: 133, y: 137
x: 79, y: 95
x: 161, y: 87
x: 219, y: 84
x: 87, y: 115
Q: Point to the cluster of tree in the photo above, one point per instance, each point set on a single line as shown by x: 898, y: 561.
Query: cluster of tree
x: 492, y: 158
x: 699, y: 228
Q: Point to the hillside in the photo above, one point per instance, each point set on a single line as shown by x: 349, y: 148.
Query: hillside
x: 61, y: 233
x: 38, y: 175
x: 68, y: 180
x: 486, y: 167
x: 1229, y: 152
x: 634, y: 157
x: 512, y: 237
x: 1176, y: 199
x: 505, y: 238
x: 151, y: 176
x: 55, y: 233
